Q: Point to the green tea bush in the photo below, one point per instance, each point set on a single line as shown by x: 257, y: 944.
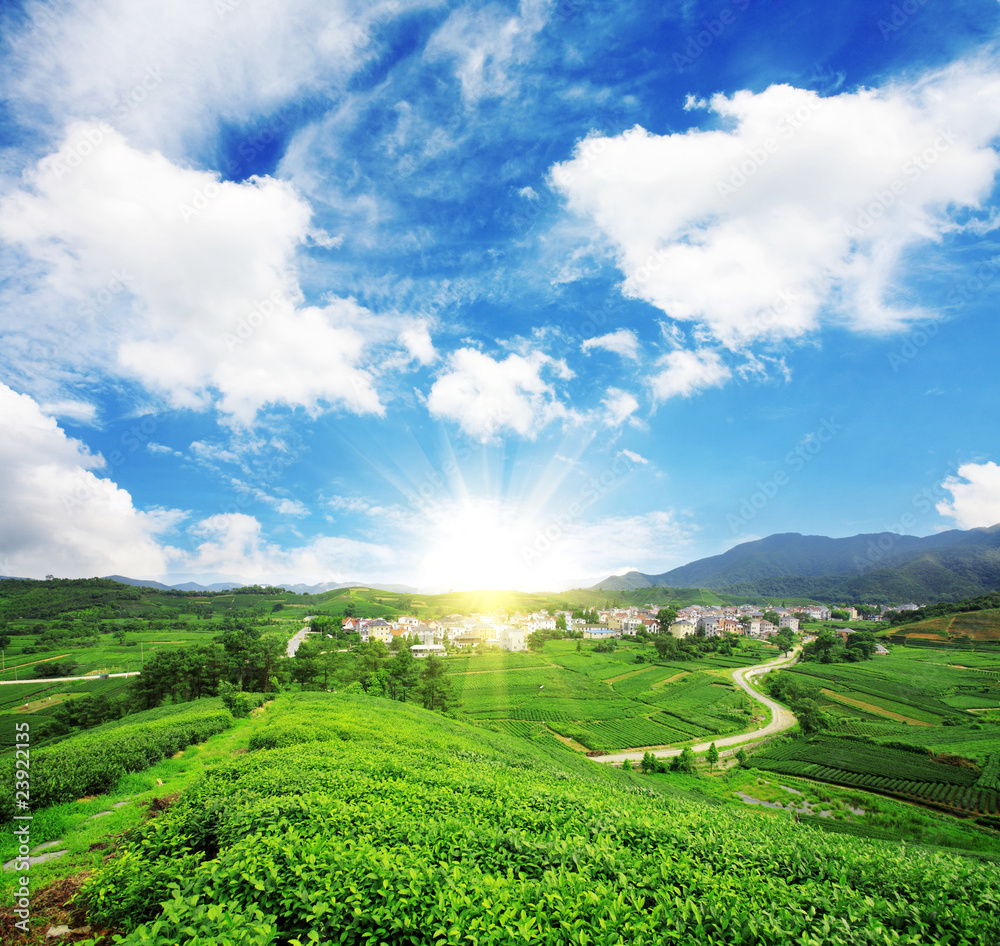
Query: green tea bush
x: 94, y: 761
x: 421, y: 830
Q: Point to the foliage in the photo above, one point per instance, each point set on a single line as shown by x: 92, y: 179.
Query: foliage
x: 238, y: 703
x: 94, y: 761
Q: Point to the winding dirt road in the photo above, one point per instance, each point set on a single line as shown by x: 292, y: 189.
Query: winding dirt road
x: 782, y: 718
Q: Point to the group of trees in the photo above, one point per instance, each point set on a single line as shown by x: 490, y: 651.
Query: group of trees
x: 374, y: 669
x: 801, y: 697
x: 943, y: 608
x: 829, y: 647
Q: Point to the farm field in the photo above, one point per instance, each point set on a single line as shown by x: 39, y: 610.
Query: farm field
x: 921, y: 724
x: 977, y: 626
x: 881, y: 768
x: 401, y: 825
x: 607, y: 701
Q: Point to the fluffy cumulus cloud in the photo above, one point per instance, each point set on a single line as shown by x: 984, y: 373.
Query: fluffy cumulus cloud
x: 797, y: 208
x: 682, y: 373
x: 975, y: 493
x: 58, y: 515
x: 210, y: 313
x: 623, y: 342
x: 486, y: 397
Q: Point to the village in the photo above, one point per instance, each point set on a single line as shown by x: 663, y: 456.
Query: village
x: 510, y: 631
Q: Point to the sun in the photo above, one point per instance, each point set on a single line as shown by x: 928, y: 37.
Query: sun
x: 491, y: 544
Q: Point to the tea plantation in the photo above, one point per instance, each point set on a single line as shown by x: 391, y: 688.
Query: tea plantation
x: 356, y: 820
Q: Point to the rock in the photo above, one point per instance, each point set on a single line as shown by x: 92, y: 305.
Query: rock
x: 55, y: 931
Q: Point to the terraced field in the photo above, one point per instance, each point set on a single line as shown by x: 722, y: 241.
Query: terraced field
x: 604, y: 702
x: 882, y: 769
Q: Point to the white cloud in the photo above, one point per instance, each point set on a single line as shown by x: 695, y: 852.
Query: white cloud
x: 685, y: 372
x: 486, y: 397
x: 291, y: 507
x: 975, y: 503
x: 799, y: 209
x: 79, y: 412
x: 216, y: 315
x: 417, y: 342
x: 634, y: 457
x: 619, y: 406
x: 166, y: 72
x: 622, y: 342
x: 487, y: 45
x: 235, y: 543
x: 57, y: 515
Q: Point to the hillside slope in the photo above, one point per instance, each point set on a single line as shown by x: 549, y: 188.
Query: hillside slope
x: 355, y: 820
x: 876, y: 566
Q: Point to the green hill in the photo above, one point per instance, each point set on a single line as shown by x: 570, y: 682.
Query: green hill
x: 354, y: 820
x: 878, y: 568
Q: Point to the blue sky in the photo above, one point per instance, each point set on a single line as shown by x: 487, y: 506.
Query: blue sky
x: 490, y: 294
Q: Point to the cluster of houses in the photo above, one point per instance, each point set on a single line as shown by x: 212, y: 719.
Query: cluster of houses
x: 510, y: 631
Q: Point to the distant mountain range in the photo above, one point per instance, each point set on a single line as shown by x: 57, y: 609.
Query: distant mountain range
x: 300, y: 589
x: 879, y: 568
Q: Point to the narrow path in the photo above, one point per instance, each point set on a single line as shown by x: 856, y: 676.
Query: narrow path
x: 89, y: 676
x: 782, y: 718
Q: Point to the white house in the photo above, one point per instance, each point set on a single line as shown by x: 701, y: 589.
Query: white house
x: 513, y: 638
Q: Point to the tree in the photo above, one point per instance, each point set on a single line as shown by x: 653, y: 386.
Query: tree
x: 435, y: 687
x: 683, y: 762
x: 666, y: 646
x: 664, y: 618
x: 772, y: 616
x: 712, y: 756
x: 561, y: 622
x: 784, y: 639
x: 4, y: 641
x: 742, y: 757
x: 404, y: 674
x: 810, y: 717
x: 824, y: 645
x: 648, y: 763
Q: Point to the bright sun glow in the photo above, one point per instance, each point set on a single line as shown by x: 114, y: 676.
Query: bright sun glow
x: 487, y: 544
